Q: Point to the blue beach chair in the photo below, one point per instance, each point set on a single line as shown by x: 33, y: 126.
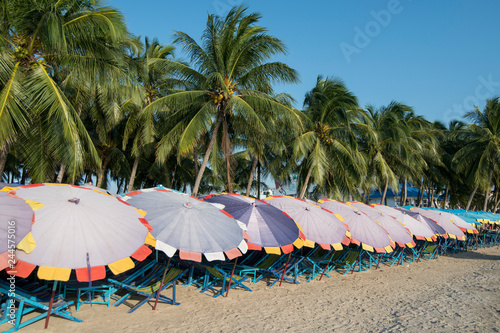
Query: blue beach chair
x: 28, y: 302
x: 222, y: 277
x: 282, y: 270
x: 151, y: 290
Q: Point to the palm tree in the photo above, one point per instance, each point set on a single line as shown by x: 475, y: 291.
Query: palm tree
x: 480, y: 157
x: 389, y: 147
x: 42, y: 44
x: 154, y: 79
x: 328, y: 146
x: 229, y: 78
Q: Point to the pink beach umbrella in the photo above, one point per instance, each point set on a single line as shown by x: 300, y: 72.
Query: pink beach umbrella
x: 459, y: 222
x: 419, y: 230
x: 424, y: 220
x: 451, y: 228
x: 320, y: 226
x: 364, y: 231
x: 396, y: 230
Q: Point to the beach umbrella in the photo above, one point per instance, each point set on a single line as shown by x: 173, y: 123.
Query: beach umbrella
x: 486, y: 217
x: 442, y: 219
x: 16, y: 218
x: 436, y: 228
x: 468, y: 219
x: 461, y: 223
x: 319, y: 225
x: 98, y: 189
x: 83, y: 230
x: 419, y: 230
x: 465, y: 226
x: 74, y: 224
x: 267, y: 226
x: 477, y: 218
x: 364, y: 231
x: 396, y: 230
x: 189, y: 225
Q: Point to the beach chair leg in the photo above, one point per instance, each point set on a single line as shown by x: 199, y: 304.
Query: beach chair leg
x: 19, y: 315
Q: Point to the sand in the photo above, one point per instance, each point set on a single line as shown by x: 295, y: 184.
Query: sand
x: 459, y: 292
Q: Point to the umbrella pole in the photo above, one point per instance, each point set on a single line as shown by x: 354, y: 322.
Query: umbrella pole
x: 353, y: 267
x: 161, y: 284
x: 327, y: 265
x: 50, y: 304
x: 286, y: 265
x: 231, y: 279
x: 378, y: 262
x: 90, y: 280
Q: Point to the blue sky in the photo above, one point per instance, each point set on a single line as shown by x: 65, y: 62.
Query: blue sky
x: 440, y: 57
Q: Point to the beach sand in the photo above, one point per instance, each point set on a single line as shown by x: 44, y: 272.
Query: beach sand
x: 458, y: 292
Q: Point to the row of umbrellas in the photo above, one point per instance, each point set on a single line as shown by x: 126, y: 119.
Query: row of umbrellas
x: 61, y: 227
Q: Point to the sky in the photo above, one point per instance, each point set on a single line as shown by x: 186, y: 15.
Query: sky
x: 440, y: 57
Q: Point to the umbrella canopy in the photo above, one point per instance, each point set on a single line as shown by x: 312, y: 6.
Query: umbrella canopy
x: 470, y: 220
x: 471, y: 215
x: 5, y: 187
x: 78, y: 228
x: 484, y: 217
x: 320, y: 226
x: 267, y: 226
x: 419, y: 230
x: 396, y: 230
x: 440, y: 218
x: 461, y: 223
x: 98, y: 189
x: 436, y: 228
x: 364, y: 231
x: 16, y: 218
x: 189, y: 225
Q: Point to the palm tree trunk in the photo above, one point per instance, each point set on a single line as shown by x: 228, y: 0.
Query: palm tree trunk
x: 60, y: 174
x: 431, y: 187
x: 227, y: 156
x: 304, y: 187
x: 252, y: 173
x: 228, y: 174
x: 495, y: 206
x: 207, y: 155
x: 471, y: 197
x: 23, y: 176
x: 382, y: 200
x: 486, y: 197
x: 258, y: 180
x: 132, y: 175
x: 100, y: 176
x: 4, y: 151
x: 195, y: 158
x: 404, y: 193
x: 497, y: 202
x: 446, y: 196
